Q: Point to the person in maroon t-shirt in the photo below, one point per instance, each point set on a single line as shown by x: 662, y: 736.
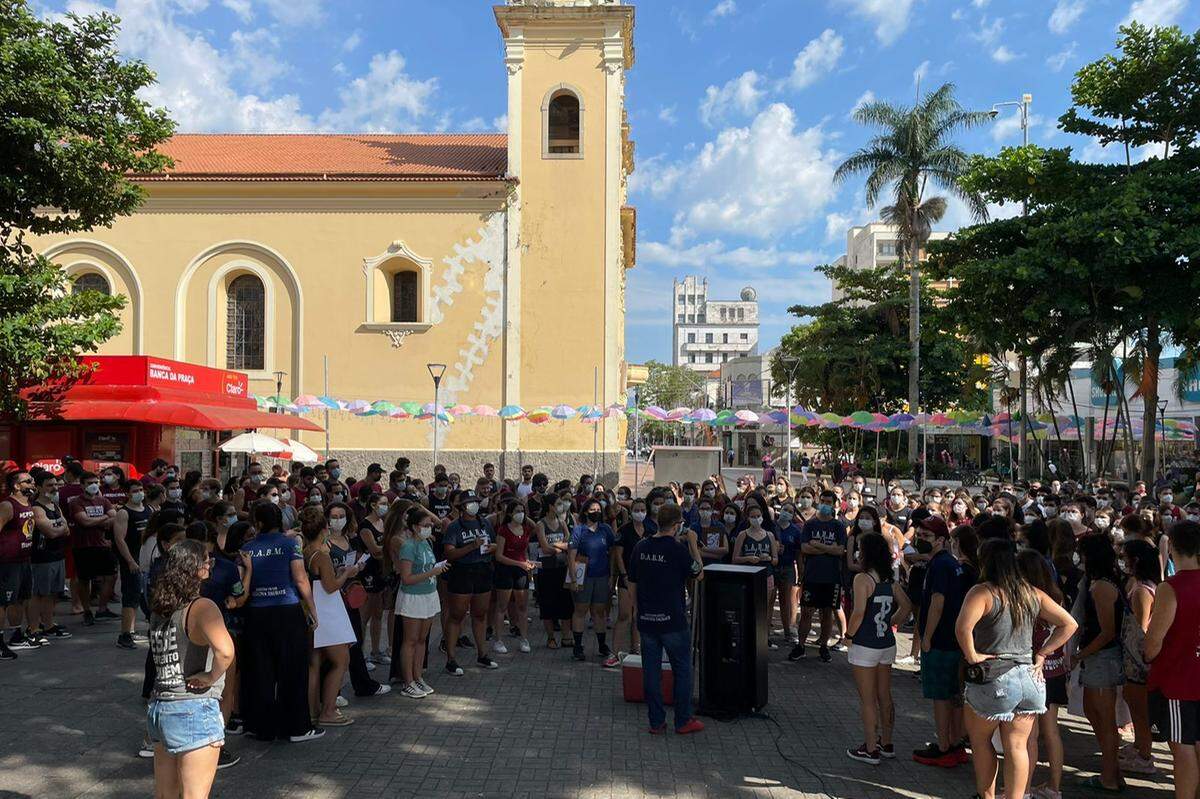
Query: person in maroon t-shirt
x: 513, y: 572
x: 158, y: 470
x: 91, y: 517
x: 248, y: 492
x: 16, y: 546
x: 112, y: 485
x: 374, y: 474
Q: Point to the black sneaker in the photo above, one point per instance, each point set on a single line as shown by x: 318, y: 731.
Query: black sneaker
x: 36, y: 637
x: 235, y: 726
x: 19, y: 642
x: 442, y: 646
x: 486, y: 662
x: 88, y: 618
x: 578, y: 653
x: 823, y: 653
x: 56, y: 631
x: 453, y: 669
x: 886, y: 750
x: 863, y: 755
x: 5, y: 652
x: 225, y: 759
x: 514, y: 631
x: 125, y: 641
x: 604, y: 651
x: 464, y: 641
x: 797, y: 652
x: 107, y: 615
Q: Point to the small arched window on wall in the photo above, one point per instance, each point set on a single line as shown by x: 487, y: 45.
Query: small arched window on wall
x: 562, y: 123
x: 406, y: 291
x: 245, y: 335
x: 91, y: 281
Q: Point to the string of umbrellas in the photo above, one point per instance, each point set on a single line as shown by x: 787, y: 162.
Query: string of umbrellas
x: 1002, y: 425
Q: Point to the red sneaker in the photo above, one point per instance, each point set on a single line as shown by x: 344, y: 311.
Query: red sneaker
x: 693, y: 725
x: 659, y: 730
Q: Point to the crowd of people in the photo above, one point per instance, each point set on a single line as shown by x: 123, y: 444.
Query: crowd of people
x: 266, y: 593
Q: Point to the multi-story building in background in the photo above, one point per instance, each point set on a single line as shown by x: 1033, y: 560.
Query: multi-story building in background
x: 707, y: 333
x: 869, y: 246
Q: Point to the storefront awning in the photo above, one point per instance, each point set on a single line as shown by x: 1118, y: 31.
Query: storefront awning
x: 196, y: 416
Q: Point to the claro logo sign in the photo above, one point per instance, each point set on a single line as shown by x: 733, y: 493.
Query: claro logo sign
x: 234, y: 384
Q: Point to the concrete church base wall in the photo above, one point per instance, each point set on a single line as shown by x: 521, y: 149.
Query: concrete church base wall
x: 557, y: 465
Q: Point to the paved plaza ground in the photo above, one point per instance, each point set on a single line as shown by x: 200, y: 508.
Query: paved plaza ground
x: 540, y: 726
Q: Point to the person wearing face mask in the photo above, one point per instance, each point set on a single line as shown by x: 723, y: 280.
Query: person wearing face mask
x: 92, y: 517
x: 897, y: 510
x: 439, y: 502
x: 1072, y: 514
x: 806, y: 505
x: 555, y: 604
x: 1102, y: 522
x: 513, y: 573
x: 711, y: 532
x: 375, y: 580
x: 174, y: 496
x: 210, y: 494
x: 16, y: 574
x: 638, y: 527
x: 961, y: 512
x: 732, y: 524
x: 417, y: 603
x: 787, y: 534
x: 154, y: 475
x: 333, y: 475
x: 1167, y: 509
x: 371, y: 481
x: 47, y: 558
x: 129, y: 527
x: 592, y: 543
x: 469, y: 546
x: 687, y: 504
x: 249, y: 489
x: 823, y: 545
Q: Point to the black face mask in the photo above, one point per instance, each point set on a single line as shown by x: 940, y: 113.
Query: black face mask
x: 594, y: 516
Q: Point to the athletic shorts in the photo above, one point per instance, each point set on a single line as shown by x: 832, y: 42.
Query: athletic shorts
x: 595, y: 591
x: 418, y: 606
x: 16, y: 583
x: 1174, y: 720
x: 184, y: 725
x: 471, y: 578
x: 868, y: 658
x: 93, y: 562
x: 786, y: 575
x: 50, y: 578
x: 820, y: 596
x: 511, y: 578
x: 131, y: 588
x: 1056, y: 690
x: 939, y: 674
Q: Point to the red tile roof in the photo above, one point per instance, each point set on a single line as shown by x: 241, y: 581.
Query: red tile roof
x: 347, y: 157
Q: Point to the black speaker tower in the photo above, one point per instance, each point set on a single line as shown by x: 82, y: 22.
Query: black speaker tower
x: 733, y: 639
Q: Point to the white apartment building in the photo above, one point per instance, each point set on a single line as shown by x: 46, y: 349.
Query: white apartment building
x: 869, y: 246
x: 707, y: 333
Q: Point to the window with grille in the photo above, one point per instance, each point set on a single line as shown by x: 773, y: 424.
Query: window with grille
x: 405, y: 305
x: 245, y: 336
x: 91, y: 281
x: 563, y: 124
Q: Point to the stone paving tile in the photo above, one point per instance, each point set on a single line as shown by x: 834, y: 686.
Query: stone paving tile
x: 540, y: 726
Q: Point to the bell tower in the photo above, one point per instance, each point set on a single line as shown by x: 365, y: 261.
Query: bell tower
x: 570, y: 234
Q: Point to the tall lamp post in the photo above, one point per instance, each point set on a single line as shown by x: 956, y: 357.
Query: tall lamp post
x: 279, y: 375
x: 1162, y: 449
x: 1022, y: 454
x: 436, y: 370
x: 787, y: 407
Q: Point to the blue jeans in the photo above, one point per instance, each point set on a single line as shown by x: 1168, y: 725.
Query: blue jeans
x: 679, y: 652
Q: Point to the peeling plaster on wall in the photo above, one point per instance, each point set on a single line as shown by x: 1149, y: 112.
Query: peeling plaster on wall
x: 487, y: 248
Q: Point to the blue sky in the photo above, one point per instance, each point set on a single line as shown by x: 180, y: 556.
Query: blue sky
x: 740, y: 108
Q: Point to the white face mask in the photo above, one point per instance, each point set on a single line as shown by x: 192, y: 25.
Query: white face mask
x: 287, y: 496
x: 710, y: 493
x: 137, y: 498
x: 562, y: 507
x: 730, y: 518
x: 854, y: 503
x: 866, y: 525
x: 381, y: 510
x: 784, y: 518
x: 337, y: 525
x: 897, y: 499
x: 639, y: 516
x: 755, y: 521
x: 519, y: 518
x: 959, y: 508
x: 741, y: 503
x: 1072, y: 516
x: 1167, y: 499
x: 472, y: 508
x: 92, y: 489
x: 1103, y: 503
x: 109, y: 479
x: 175, y: 494
x: 806, y: 502
x: 314, y: 499
x: 232, y: 518
x: 1102, y: 522
x: 273, y: 499
x: 425, y: 533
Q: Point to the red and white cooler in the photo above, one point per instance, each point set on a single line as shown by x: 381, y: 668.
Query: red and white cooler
x: 631, y: 680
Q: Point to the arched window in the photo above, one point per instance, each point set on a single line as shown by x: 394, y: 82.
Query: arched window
x: 563, y: 124
x: 405, y: 293
x: 91, y: 281
x: 245, y: 308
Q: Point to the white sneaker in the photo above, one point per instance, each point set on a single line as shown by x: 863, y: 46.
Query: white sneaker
x: 146, y: 749
x: 499, y: 648
x: 381, y: 659
x: 411, y: 691
x: 524, y: 645
x: 426, y: 687
x: 311, y: 735
x: 342, y: 701
x: 370, y: 666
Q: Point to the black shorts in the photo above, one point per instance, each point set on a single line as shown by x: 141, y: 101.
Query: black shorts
x: 471, y: 578
x: 1174, y: 720
x: 93, y: 562
x: 1056, y: 690
x: 16, y: 583
x: 511, y: 578
x: 131, y: 588
x: 820, y: 596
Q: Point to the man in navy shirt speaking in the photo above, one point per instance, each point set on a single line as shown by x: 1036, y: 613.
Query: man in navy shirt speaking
x: 658, y: 571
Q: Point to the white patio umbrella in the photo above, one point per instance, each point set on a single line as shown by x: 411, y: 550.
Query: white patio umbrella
x: 253, y: 443
x: 296, y: 451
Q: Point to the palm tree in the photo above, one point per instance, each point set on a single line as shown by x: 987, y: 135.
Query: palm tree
x: 912, y: 149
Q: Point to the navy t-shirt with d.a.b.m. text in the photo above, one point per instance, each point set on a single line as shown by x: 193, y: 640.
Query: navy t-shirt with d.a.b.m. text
x: 660, y: 567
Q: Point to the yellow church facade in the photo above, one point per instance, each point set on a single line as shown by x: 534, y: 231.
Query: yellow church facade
x: 349, y: 262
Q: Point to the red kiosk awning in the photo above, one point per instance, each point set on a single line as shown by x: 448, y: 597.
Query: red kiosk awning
x: 140, y: 388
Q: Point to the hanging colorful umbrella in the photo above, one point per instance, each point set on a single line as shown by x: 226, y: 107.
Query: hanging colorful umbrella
x: 862, y: 417
x: 538, y: 416
x: 359, y: 406
x: 382, y: 407
x: 655, y: 412
x: 562, y: 412
x: 308, y: 401
x: 399, y: 413
x: 678, y: 414
x: 484, y: 410
x: 703, y: 415
x: 461, y: 410
x: 331, y: 403
x: 746, y: 416
x: 512, y: 412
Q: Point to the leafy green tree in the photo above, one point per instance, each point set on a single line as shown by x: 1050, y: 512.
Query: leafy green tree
x: 73, y: 129
x: 913, y: 151
x: 668, y: 387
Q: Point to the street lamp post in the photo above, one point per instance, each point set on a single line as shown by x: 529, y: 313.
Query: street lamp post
x: 1022, y: 455
x: 1162, y: 449
x: 279, y: 375
x: 787, y: 409
x: 436, y: 370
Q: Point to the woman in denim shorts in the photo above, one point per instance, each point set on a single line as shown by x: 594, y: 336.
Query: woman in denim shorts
x: 1005, y: 688
x: 191, y: 650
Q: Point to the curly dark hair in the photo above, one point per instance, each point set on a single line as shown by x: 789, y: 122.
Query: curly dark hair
x: 178, y: 583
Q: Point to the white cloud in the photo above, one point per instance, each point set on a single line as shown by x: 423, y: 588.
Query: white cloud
x: 741, y: 94
x: 385, y: 99
x: 1155, y: 12
x: 351, y: 43
x: 1006, y: 130
x: 866, y: 97
x: 889, y: 16
x: 724, y: 8
x: 716, y: 253
x: 241, y: 8
x: 989, y: 32
x: 920, y: 72
x: 761, y: 180
x: 958, y: 15
x: 256, y: 56
x: 817, y: 58
x: 1002, y: 55
x: 295, y: 12
x: 500, y: 123
x: 1057, y: 61
x: 1094, y: 152
x: 667, y: 114
x: 980, y: 3
x: 1065, y: 14
x: 836, y: 226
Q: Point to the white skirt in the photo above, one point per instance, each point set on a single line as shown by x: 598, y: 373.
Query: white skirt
x: 333, y: 622
x: 418, y: 606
